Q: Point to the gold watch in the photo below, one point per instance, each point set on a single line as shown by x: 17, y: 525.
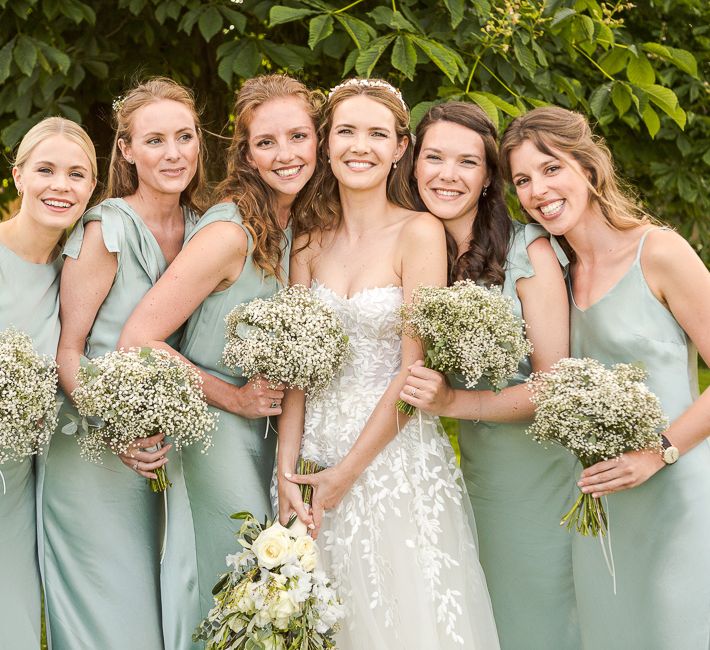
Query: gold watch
x: 670, y: 453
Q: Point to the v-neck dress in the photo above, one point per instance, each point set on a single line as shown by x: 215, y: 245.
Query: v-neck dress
x: 29, y: 302
x: 235, y: 474
x: 519, y: 490
x: 660, y: 530
x: 102, y: 526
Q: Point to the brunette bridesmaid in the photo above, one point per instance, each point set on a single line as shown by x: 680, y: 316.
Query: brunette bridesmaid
x: 102, y: 524
x: 518, y: 489
x: 55, y: 175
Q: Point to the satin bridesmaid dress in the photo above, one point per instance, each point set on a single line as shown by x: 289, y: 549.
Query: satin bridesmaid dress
x: 235, y: 474
x: 29, y: 301
x: 102, y: 526
x: 519, y: 490
x: 660, y: 530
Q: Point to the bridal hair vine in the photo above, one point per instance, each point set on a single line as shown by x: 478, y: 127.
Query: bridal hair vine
x: 371, y: 83
x: 117, y: 104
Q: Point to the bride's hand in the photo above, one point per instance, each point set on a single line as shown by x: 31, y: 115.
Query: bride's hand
x: 290, y: 502
x: 329, y: 487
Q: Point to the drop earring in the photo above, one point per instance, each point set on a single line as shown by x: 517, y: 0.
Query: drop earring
x: 485, y: 191
x: 394, y: 165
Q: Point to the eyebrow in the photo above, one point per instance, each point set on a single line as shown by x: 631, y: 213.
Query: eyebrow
x: 369, y: 128
x: 180, y: 130
x: 259, y: 136
x: 52, y: 164
x: 547, y: 161
x: 463, y: 155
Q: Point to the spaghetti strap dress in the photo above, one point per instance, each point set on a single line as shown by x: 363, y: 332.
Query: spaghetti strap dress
x: 659, y: 530
x: 235, y: 474
x: 102, y: 526
x: 29, y: 302
x: 519, y: 490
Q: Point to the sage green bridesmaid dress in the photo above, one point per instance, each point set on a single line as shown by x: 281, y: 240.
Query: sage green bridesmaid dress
x: 519, y: 491
x: 660, y: 530
x: 102, y: 526
x: 29, y: 301
x: 235, y: 473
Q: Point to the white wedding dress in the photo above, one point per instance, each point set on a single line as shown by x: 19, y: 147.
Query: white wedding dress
x: 400, y: 546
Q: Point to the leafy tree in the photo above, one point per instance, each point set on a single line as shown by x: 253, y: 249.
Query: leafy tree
x: 632, y: 69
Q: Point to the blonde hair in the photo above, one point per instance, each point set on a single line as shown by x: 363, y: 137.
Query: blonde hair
x: 321, y: 207
x: 553, y: 128
x: 49, y: 127
x: 122, y: 176
x: 244, y: 185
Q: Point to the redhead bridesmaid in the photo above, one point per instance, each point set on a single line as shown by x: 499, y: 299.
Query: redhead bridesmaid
x: 639, y: 294
x: 102, y: 524
x: 55, y: 175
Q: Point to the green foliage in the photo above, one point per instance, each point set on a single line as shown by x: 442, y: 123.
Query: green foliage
x: 633, y: 69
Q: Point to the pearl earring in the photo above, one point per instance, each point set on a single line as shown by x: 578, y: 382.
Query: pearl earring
x: 394, y: 165
x: 485, y: 190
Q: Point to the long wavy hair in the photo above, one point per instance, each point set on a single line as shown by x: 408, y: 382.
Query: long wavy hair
x: 485, y: 257
x: 244, y: 186
x: 122, y: 176
x: 321, y: 209
x: 553, y: 129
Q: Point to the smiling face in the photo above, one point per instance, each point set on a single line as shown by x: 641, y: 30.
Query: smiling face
x: 451, y: 171
x: 164, y: 146
x: 362, y: 143
x: 56, y: 183
x: 551, y: 187
x: 283, y: 145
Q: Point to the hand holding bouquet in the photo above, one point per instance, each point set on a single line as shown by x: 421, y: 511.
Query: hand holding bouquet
x: 274, y: 596
x: 135, y: 394
x: 28, y: 402
x: 598, y: 414
x: 468, y: 330
x: 292, y: 338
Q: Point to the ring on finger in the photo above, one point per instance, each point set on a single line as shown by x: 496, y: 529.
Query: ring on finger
x: 274, y: 404
x: 135, y: 465
x: 413, y: 392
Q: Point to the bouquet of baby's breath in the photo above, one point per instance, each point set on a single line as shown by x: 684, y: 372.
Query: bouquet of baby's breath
x: 598, y: 414
x: 274, y: 597
x: 138, y: 393
x: 292, y: 337
x: 468, y: 330
x: 28, y: 402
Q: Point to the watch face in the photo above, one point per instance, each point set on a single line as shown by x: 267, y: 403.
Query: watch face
x: 670, y: 455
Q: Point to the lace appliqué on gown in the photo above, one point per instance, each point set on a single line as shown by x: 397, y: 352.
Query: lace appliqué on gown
x: 400, y: 544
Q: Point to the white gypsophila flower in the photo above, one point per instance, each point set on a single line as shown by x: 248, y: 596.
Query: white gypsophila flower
x: 28, y: 403
x: 137, y: 393
x: 596, y: 412
x: 469, y: 330
x: 292, y: 338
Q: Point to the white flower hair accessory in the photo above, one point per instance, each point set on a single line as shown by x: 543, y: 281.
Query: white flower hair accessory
x: 371, y: 83
x: 117, y: 104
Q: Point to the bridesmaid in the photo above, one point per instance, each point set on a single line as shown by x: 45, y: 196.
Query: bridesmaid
x: 518, y: 490
x: 102, y: 524
x: 239, y: 251
x: 55, y: 174
x: 639, y: 294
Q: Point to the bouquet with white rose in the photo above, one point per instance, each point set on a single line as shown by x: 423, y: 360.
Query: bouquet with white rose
x: 28, y: 402
x: 468, y: 330
x: 597, y: 413
x: 137, y: 393
x: 292, y: 338
x: 274, y: 597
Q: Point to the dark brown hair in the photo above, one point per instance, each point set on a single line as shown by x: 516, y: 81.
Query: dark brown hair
x: 122, y: 176
x: 243, y: 184
x: 485, y: 258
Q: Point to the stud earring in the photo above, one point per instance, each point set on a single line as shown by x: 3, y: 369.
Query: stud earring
x: 19, y: 191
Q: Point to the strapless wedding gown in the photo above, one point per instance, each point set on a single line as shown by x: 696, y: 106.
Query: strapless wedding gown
x: 401, y: 544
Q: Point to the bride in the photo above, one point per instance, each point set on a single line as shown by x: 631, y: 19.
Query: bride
x: 390, y: 509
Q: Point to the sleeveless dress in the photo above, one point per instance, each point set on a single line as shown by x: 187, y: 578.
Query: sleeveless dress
x: 236, y: 471
x: 102, y: 524
x: 519, y: 490
x: 400, y: 545
x: 29, y: 301
x: 660, y: 530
